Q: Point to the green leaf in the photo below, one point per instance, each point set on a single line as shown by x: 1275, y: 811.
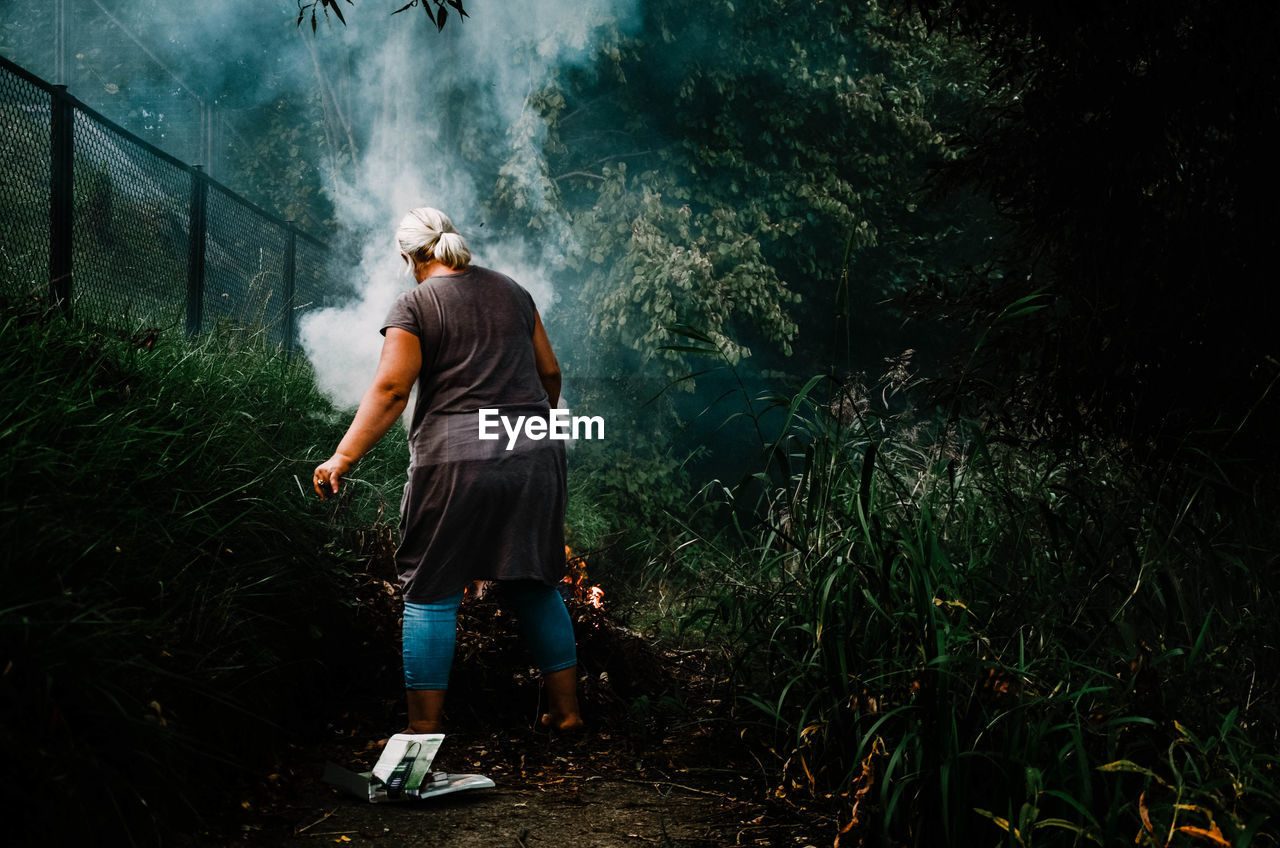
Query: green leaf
x: 689, y: 349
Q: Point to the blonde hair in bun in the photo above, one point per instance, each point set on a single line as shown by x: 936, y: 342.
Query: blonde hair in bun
x: 426, y: 233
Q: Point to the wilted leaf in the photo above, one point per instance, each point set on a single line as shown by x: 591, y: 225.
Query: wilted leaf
x: 1131, y: 766
x: 999, y: 821
x: 1213, y: 834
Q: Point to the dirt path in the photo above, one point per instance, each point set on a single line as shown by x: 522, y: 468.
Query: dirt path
x: 602, y: 812
x: 595, y: 811
x: 662, y: 764
x: 599, y: 792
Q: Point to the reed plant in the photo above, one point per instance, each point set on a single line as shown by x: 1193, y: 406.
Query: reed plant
x: 177, y: 602
x: 952, y: 636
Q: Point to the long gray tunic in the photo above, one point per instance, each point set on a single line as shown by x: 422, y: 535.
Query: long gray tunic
x: 472, y: 509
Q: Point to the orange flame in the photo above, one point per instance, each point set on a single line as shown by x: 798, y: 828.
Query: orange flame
x: 576, y: 579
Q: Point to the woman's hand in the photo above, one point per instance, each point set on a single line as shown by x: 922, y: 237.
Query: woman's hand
x: 382, y: 405
x: 327, y: 478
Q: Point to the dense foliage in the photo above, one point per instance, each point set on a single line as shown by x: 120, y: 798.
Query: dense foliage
x: 1035, y: 605
x: 954, y: 641
x: 754, y: 175
x: 963, y: 629
x: 750, y: 174
x: 173, y: 597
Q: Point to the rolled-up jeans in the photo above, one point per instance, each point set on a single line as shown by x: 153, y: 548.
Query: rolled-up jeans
x: 430, y: 631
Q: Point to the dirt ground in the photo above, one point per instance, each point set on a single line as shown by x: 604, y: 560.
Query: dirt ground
x: 662, y: 763
x: 597, y: 812
x: 573, y: 796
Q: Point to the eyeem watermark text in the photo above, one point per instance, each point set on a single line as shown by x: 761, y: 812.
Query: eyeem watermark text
x: 535, y: 427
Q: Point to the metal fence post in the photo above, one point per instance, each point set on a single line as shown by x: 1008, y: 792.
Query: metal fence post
x: 61, y: 196
x: 290, y: 269
x: 195, y: 251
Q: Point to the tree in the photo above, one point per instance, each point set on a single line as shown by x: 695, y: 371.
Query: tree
x: 751, y: 174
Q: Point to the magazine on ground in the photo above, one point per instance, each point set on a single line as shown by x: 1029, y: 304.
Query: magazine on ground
x: 404, y: 772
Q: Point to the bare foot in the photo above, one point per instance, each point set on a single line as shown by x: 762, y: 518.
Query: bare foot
x: 568, y: 724
x: 424, y: 727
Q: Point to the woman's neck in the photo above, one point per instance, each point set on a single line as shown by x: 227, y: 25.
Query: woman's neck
x: 434, y: 268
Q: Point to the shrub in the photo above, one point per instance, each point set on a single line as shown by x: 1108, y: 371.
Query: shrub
x: 174, y: 596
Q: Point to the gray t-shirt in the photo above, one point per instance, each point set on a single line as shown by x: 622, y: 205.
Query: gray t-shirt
x: 474, y: 508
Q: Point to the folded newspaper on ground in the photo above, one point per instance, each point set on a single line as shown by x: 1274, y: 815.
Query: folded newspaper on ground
x: 404, y: 772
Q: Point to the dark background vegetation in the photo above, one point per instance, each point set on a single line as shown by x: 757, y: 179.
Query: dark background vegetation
x: 965, y: 462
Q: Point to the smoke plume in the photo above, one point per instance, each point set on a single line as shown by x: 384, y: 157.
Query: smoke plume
x: 407, y: 112
x: 422, y: 99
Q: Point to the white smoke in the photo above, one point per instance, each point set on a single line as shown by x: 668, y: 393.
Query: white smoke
x: 418, y: 92
x: 413, y: 102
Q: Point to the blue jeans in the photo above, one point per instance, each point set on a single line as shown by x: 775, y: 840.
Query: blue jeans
x: 430, y: 630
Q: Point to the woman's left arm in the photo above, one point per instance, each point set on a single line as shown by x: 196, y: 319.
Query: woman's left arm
x: 382, y: 404
x: 544, y: 359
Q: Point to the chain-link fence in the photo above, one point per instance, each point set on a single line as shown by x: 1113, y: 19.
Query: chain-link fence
x: 114, y: 229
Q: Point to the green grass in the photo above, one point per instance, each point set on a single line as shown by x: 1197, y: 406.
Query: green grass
x: 176, y: 601
x: 948, y: 637
x: 951, y: 638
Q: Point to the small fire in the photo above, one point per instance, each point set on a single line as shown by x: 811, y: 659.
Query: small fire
x: 576, y: 579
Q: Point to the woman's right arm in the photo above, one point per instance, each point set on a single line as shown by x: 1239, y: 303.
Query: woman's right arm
x: 545, y: 359
x: 383, y: 403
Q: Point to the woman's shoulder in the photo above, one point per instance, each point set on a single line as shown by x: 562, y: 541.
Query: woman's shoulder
x: 499, y: 279
x: 491, y: 274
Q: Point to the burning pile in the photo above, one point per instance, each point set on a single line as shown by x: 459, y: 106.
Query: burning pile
x: 575, y: 583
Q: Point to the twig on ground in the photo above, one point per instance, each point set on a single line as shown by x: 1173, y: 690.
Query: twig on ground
x: 298, y: 831
x: 656, y: 783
